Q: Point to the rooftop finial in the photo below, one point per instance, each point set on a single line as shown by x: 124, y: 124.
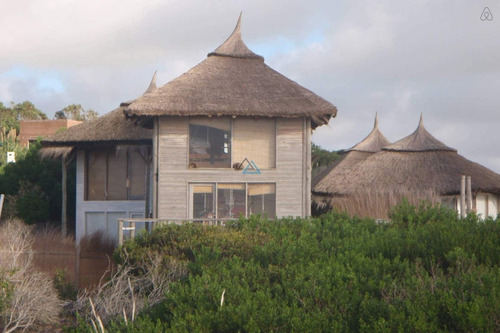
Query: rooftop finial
x: 152, y: 86
x: 421, y: 122
x: 375, y: 125
x: 234, y: 46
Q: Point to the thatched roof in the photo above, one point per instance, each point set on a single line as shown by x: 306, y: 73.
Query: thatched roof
x: 111, y: 128
x: 374, y: 142
x: 417, y: 163
x: 370, y: 145
x: 233, y: 81
x: 420, y: 140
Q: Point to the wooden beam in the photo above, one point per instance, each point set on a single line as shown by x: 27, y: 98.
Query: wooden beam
x: 462, y: 197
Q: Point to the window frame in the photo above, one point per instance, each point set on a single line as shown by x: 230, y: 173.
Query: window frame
x: 215, y: 195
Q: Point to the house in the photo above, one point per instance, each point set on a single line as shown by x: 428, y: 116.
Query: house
x: 31, y: 130
x: 231, y: 137
x: 417, y: 167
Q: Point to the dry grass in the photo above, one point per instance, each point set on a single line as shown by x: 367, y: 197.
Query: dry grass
x: 29, y: 297
x: 373, y: 204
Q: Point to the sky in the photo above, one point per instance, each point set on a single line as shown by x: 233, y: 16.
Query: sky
x: 399, y: 59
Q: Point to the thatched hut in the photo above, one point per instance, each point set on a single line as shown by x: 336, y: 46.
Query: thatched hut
x: 113, y: 158
x: 417, y: 167
x: 231, y: 137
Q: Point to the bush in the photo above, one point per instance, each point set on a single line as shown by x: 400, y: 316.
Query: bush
x: 425, y: 271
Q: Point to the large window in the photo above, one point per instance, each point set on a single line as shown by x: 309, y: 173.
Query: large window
x: 116, y: 173
x: 230, y: 200
x: 210, y: 143
x: 224, y: 142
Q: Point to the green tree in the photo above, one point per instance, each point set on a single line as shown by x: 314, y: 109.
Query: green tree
x: 76, y: 112
x: 321, y: 158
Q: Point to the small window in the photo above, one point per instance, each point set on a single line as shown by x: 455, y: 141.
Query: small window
x: 210, y: 143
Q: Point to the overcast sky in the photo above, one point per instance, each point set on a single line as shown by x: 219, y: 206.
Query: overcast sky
x: 397, y: 58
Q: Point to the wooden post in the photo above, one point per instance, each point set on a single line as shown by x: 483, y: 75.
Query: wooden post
x: 1, y: 204
x: 132, y: 229
x: 120, y: 232
x: 462, y: 197
x: 64, y: 184
x: 469, y: 195
x: 77, y: 265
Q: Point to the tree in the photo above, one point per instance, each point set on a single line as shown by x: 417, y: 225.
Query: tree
x: 322, y: 158
x: 10, y: 116
x: 76, y: 112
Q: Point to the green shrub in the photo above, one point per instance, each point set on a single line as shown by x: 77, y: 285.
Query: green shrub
x: 426, y: 271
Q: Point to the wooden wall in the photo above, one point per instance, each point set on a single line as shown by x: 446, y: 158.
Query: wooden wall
x: 291, y: 175
x: 100, y: 215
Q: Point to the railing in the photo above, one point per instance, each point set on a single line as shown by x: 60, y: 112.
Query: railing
x: 126, y: 224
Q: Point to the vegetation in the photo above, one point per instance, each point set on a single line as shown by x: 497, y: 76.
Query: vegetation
x: 76, y: 112
x: 33, y: 188
x: 322, y: 158
x: 425, y: 271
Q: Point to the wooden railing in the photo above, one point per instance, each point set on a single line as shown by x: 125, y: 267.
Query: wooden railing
x: 128, y: 224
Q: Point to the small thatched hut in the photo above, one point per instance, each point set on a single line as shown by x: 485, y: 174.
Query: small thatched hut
x: 417, y: 167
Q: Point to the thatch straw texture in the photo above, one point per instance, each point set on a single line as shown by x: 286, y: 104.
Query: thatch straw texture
x: 370, y: 145
x: 233, y: 81
x: 112, y: 127
x: 417, y: 163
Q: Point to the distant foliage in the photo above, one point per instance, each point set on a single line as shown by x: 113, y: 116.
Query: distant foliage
x: 322, y: 158
x: 425, y: 271
x: 76, y: 112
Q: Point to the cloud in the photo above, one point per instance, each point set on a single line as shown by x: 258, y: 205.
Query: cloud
x: 399, y: 59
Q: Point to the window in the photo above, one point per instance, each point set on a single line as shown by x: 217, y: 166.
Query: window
x: 222, y: 142
x: 210, y: 143
x: 116, y: 173
x: 255, y: 140
x: 230, y: 200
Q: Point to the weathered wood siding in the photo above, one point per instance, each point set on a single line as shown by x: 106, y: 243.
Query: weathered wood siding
x: 100, y: 215
x: 291, y: 175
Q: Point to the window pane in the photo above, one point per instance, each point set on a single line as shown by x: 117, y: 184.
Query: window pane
x: 117, y: 174
x: 203, y: 201
x: 255, y: 139
x: 96, y: 175
x: 210, y: 143
x: 230, y: 200
x: 137, y: 174
x: 262, y: 199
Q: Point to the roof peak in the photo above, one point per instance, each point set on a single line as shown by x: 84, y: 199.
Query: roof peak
x: 152, y: 85
x: 234, y: 46
x: 419, y: 140
x: 374, y: 142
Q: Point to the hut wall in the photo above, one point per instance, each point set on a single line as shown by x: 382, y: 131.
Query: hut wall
x: 291, y: 174
x: 486, y: 204
x: 92, y: 216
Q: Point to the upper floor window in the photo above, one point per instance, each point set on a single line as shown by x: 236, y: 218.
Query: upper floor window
x: 210, y: 143
x: 223, y: 142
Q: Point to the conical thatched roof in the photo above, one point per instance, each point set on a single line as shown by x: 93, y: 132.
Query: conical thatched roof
x: 112, y: 127
x: 418, y: 163
x: 420, y: 140
x: 233, y: 81
x: 370, y: 145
